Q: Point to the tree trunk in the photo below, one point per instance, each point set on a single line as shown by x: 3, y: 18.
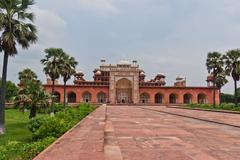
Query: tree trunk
x: 33, y: 111
x: 235, y: 93
x: 65, y: 93
x: 220, y: 92
x: 3, y: 93
x: 53, y: 94
x: 214, y: 91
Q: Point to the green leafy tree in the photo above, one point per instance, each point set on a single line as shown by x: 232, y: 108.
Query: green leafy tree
x: 67, y: 70
x: 16, y: 28
x: 232, y: 63
x: 52, y: 66
x: 215, y: 66
x: 221, y: 81
x: 11, y: 90
x: 31, y: 93
x: 227, y: 98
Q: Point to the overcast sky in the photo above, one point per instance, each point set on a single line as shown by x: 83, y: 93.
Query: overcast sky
x: 167, y: 36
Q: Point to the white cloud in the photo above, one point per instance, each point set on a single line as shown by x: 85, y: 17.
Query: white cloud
x: 48, y: 18
x: 49, y: 24
x: 50, y: 31
x: 99, y: 7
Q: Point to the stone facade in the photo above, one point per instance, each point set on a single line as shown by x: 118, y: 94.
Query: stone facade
x: 125, y: 83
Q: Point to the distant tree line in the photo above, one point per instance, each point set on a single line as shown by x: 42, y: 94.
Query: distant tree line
x: 11, y: 90
x: 229, y: 98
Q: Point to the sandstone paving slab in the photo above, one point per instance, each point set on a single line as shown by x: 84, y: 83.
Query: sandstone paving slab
x: 163, y: 136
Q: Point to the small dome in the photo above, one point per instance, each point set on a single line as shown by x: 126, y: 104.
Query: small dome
x: 103, y: 60
x: 161, y: 74
x: 179, y: 78
x: 142, y: 73
x: 98, y: 72
x: 96, y: 69
x: 210, y: 77
x: 124, y: 62
x: 79, y: 72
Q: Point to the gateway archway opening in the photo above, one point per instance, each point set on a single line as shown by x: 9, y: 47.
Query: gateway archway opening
x: 124, y: 91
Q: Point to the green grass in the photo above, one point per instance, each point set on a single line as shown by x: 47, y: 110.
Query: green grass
x: 16, y: 127
x: 223, y: 106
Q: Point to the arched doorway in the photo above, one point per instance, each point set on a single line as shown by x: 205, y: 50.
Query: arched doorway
x: 72, y: 97
x: 158, y: 98
x: 101, y: 97
x: 173, y: 99
x: 187, y: 98
x: 144, y: 97
x: 124, y: 91
x: 57, y: 97
x: 87, y: 97
x: 202, y: 99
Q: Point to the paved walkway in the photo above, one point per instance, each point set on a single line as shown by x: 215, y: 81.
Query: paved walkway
x: 221, y: 117
x: 84, y: 142
x: 133, y: 133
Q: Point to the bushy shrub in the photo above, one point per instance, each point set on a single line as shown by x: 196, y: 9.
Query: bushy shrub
x: 222, y: 106
x: 227, y: 106
x: 34, y: 124
x: 84, y: 109
x: 206, y: 106
x: 7, y: 149
x: 192, y: 105
x: 33, y: 149
x: 58, y: 107
x: 25, y: 151
x: 53, y: 127
x: 43, y: 127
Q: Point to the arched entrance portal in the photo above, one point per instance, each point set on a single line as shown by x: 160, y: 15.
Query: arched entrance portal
x: 124, y: 91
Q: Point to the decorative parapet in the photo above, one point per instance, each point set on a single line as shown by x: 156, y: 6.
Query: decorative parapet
x: 88, y: 83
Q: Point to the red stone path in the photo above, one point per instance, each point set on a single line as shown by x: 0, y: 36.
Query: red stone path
x: 132, y: 133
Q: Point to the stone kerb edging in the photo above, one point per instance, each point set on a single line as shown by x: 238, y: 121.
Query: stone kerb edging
x: 48, y: 149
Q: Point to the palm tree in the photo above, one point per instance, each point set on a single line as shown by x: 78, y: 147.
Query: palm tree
x: 215, y: 66
x: 25, y: 75
x: 16, y: 28
x: 67, y: 70
x: 52, y: 65
x: 32, y: 94
x: 232, y: 62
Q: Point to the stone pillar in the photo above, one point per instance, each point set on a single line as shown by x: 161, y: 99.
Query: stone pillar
x: 135, y: 89
x: 112, y: 89
x: 180, y: 98
x: 195, y: 98
x: 78, y: 96
x: 166, y: 99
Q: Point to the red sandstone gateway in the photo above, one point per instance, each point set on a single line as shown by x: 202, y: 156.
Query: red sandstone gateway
x: 125, y: 83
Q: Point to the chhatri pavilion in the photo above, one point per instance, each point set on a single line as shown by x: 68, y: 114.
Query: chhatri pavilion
x: 124, y: 83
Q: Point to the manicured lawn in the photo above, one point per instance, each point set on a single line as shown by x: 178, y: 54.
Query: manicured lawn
x: 16, y: 127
